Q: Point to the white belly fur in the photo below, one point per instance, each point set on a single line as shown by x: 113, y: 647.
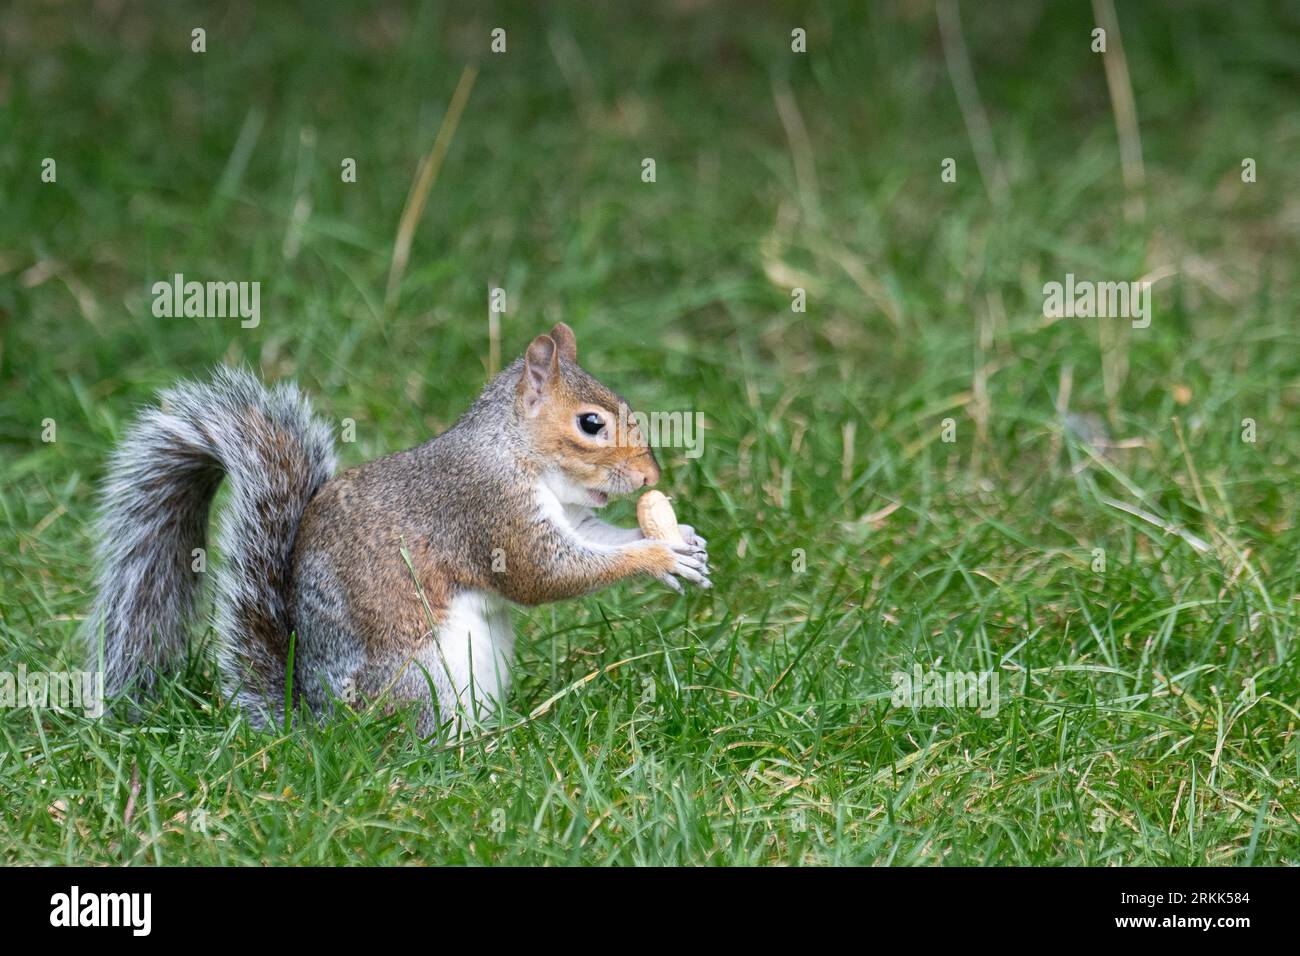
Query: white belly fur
x: 477, y: 644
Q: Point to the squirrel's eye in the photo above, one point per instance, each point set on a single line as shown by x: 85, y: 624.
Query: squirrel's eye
x: 591, y: 423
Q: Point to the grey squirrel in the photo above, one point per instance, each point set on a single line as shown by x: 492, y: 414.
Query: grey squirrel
x: 396, y: 577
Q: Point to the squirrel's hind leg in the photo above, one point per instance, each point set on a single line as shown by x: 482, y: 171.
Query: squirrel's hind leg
x: 457, y: 674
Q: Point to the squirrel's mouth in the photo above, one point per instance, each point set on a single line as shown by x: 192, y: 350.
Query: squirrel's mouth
x: 598, y: 498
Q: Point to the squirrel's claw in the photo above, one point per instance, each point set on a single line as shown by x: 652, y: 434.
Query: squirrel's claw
x: 672, y: 582
x: 689, y: 549
x: 690, y: 562
x: 693, y: 565
x: 691, y: 537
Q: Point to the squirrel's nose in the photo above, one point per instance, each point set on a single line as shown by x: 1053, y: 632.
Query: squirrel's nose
x: 650, y: 469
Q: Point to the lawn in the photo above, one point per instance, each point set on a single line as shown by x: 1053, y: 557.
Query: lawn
x: 907, y: 466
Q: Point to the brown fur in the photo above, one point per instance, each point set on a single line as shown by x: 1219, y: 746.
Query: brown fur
x: 370, y: 568
x: 459, y: 506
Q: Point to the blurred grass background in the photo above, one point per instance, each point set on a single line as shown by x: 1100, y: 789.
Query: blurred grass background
x: 1149, y: 711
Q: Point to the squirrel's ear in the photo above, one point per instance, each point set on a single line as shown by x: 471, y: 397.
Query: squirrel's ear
x: 541, y: 364
x: 566, y: 341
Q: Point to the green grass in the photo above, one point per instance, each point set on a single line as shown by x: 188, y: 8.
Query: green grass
x: 752, y: 723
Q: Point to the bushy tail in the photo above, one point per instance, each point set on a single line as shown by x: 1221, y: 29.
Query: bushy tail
x: 154, y: 514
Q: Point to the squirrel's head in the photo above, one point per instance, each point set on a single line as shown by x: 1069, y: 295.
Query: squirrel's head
x: 584, y: 430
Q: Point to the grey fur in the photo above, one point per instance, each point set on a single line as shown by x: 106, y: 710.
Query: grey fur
x: 386, y: 573
x: 160, y: 484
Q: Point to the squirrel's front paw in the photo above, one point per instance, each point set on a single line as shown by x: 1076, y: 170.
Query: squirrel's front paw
x: 691, y: 562
x: 689, y: 535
